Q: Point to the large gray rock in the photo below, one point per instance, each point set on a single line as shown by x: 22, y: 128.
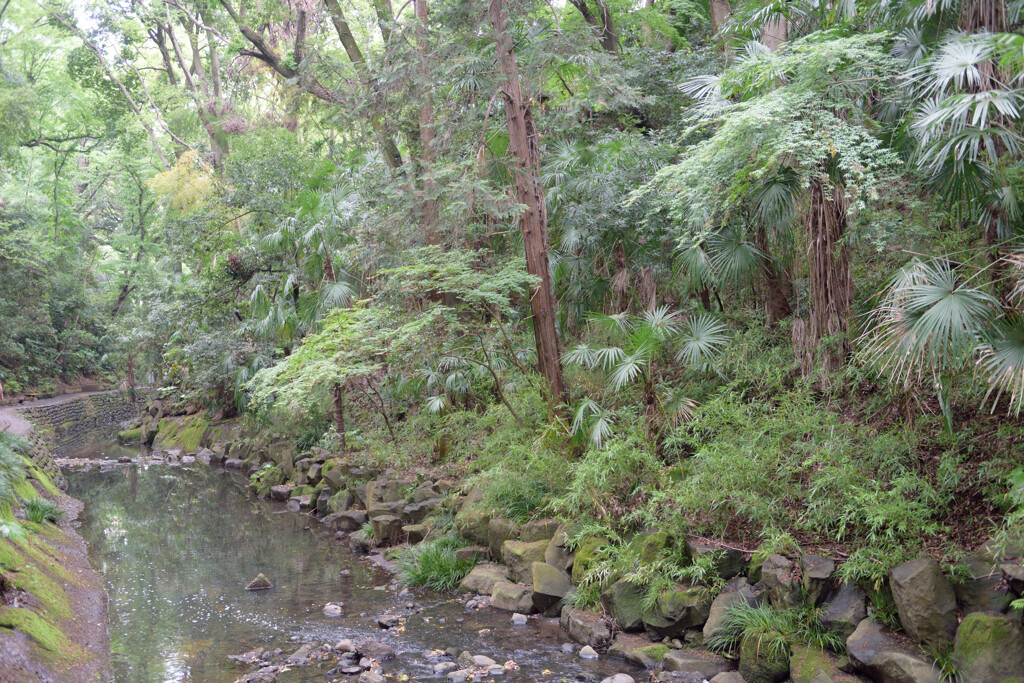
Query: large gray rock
x: 925, y: 601
x: 844, y: 609
x: 737, y: 590
x: 816, y: 572
x: 483, y: 578
x: 519, y: 557
x: 550, y: 586
x: 623, y: 601
x: 678, y: 610
x: 513, y: 597
x: 729, y: 562
x: 351, y: 520
x: 700, y: 663
x: 542, y: 529
x: 556, y: 554
x: 500, y: 530
x: 989, y: 648
x: 879, y: 655
x: 781, y: 582
x: 984, y: 589
x: 386, y: 529
x: 585, y: 627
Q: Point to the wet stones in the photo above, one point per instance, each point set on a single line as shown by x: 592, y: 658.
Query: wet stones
x: 550, y: 586
x: 332, y: 609
x: 374, y: 649
x: 585, y: 627
x: 512, y: 597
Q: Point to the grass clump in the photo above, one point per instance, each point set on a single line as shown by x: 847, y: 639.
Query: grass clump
x: 775, y: 629
x: 433, y: 564
x: 40, y: 510
x: 12, y: 467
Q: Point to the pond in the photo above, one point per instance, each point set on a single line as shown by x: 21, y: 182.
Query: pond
x: 177, y: 544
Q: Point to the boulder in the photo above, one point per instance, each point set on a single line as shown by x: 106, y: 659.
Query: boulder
x: 700, y: 662
x: 470, y: 553
x: 550, y: 586
x: 677, y: 610
x: 809, y: 664
x: 728, y: 561
x: 323, y: 500
x: 623, y: 601
x: 281, y: 492
x: 619, y: 678
x: 845, y: 608
x: 989, y: 648
x: 500, y: 530
x: 983, y: 589
x: 473, y: 517
x: 760, y: 662
x: 879, y: 655
x: 737, y: 590
x: 519, y: 557
x: 416, y: 532
x: 542, y: 529
x: 925, y: 601
x: 483, y: 577
x: 414, y: 513
x: 513, y: 597
x: 386, y: 529
x: 728, y: 677
x: 556, y: 554
x: 585, y: 627
x: 781, y: 582
x: 380, y: 509
x: 816, y: 577
x: 351, y: 520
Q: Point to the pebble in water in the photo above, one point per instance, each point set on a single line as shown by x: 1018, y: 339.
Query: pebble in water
x: 587, y: 652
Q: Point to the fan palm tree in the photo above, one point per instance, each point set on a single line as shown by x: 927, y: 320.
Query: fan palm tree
x: 639, y: 344
x: 934, y: 323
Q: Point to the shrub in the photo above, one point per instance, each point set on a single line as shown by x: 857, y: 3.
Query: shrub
x: 609, y: 482
x: 12, y: 467
x: 777, y: 628
x: 40, y: 510
x: 433, y: 564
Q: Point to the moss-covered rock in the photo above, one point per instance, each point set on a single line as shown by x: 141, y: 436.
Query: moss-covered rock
x: 989, y: 648
x: 624, y: 602
x: 519, y: 557
x: 130, y: 436
x: 809, y: 664
x: 677, y: 610
x: 762, y: 659
x: 472, y: 519
x: 585, y: 555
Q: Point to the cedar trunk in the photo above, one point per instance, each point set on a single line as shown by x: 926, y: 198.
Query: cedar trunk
x: 524, y: 146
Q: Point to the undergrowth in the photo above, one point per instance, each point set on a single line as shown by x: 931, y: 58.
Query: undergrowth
x: 40, y: 510
x: 778, y: 629
x: 433, y: 564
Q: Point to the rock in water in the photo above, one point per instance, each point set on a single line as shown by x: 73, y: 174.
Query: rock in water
x: 260, y: 583
x: 332, y: 609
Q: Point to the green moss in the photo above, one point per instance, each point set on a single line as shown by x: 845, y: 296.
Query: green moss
x: 184, y: 433
x: 44, y: 633
x: 585, y: 556
x: 656, y: 652
x: 130, y: 436
x: 42, y: 478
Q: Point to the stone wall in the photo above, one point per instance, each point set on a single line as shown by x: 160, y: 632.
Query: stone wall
x: 64, y: 426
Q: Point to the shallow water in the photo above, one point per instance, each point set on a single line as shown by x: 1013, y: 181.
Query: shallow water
x: 176, y: 545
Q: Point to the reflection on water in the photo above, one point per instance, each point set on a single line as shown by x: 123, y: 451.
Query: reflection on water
x: 176, y: 546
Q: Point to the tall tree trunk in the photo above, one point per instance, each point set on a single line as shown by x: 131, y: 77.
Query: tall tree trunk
x: 338, y: 395
x: 773, y: 34
x: 829, y: 259
x: 388, y: 148
x: 524, y: 146
x: 720, y: 11
x: 428, y: 221
x: 776, y: 302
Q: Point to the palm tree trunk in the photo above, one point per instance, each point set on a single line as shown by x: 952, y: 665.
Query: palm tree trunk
x: 339, y: 414
x: 829, y: 259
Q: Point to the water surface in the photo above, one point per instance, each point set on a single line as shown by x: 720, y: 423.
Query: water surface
x: 177, y: 544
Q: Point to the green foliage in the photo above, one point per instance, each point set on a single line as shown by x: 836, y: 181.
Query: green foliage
x: 774, y: 628
x: 12, y: 466
x: 433, y: 564
x: 41, y: 510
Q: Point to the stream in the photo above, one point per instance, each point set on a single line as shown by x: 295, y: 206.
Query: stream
x: 176, y: 545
